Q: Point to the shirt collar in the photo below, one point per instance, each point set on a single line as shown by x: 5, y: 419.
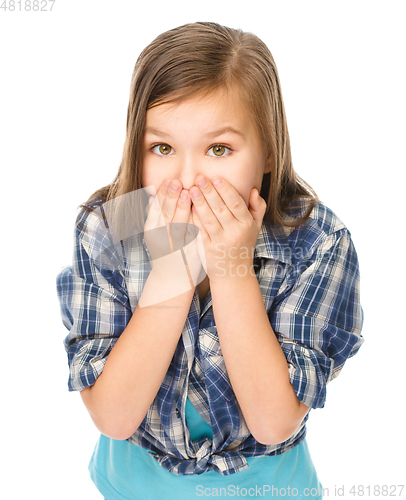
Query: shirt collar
x: 276, y: 241
x: 272, y: 246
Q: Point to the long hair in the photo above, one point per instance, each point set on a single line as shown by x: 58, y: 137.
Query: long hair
x: 204, y: 57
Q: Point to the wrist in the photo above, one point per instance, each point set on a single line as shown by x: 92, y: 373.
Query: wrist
x: 231, y: 283
x: 169, y: 279
x: 232, y: 272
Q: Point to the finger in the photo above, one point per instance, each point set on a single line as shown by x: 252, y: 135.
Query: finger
x: 150, y: 200
x: 232, y: 198
x: 201, y: 238
x: 183, y: 207
x: 197, y: 222
x: 164, y: 206
x: 257, y: 207
x: 153, y: 214
x: 172, y: 192
x: 155, y: 203
x: 191, y: 229
x: 214, y: 200
x: 204, y: 213
x: 179, y: 225
x: 191, y: 252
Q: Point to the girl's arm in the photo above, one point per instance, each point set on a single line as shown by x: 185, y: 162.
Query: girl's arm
x: 255, y: 362
x: 254, y: 359
x: 318, y: 323
x: 136, y: 366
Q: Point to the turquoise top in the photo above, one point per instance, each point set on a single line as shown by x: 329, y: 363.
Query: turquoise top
x: 124, y: 471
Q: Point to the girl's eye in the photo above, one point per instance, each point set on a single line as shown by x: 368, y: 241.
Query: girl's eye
x: 162, y: 149
x: 219, y: 150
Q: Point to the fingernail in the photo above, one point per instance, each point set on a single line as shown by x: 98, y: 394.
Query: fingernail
x: 217, y: 181
x: 174, y: 187
x: 202, y: 183
x: 166, y: 183
x: 183, y: 196
x: 196, y: 194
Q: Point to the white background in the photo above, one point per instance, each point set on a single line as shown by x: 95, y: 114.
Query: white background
x: 64, y: 89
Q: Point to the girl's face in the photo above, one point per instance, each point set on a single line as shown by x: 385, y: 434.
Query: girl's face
x: 213, y: 135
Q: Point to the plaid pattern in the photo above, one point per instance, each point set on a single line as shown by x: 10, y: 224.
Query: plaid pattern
x: 309, y: 279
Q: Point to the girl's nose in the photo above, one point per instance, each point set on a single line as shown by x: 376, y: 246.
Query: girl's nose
x: 188, y: 171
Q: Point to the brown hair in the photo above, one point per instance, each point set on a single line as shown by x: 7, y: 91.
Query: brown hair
x: 205, y: 57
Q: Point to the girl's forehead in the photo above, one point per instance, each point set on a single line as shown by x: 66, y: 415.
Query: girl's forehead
x: 219, y: 106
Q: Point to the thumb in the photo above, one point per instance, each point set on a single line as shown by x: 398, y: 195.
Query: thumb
x: 257, y: 206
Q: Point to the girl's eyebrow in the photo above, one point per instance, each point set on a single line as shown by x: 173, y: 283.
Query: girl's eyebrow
x: 216, y: 133
x: 225, y: 130
x: 156, y: 132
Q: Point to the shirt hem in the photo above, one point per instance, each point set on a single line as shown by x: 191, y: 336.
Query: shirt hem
x: 103, y: 486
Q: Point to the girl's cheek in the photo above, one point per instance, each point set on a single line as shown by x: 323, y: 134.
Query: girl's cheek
x: 244, y: 195
x: 150, y: 190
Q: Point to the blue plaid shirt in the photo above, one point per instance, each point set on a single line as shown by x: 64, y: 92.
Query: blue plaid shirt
x: 309, y: 279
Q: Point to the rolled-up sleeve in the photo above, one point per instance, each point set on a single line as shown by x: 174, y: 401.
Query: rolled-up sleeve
x: 93, y: 300
x: 318, y: 318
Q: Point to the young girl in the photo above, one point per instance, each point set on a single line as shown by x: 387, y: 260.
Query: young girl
x: 212, y: 295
